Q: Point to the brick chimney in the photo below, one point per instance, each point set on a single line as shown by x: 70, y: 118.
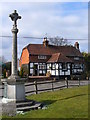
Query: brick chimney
x: 76, y: 45
x: 45, y: 42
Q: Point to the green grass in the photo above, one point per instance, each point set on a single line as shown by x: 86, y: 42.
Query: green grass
x: 66, y: 103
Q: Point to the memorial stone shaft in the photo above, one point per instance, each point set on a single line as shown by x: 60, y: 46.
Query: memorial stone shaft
x: 14, y: 17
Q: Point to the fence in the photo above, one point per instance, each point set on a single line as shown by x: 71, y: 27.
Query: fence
x: 37, y: 87
x: 51, y: 85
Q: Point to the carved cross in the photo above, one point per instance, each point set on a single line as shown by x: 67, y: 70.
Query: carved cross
x: 14, y: 17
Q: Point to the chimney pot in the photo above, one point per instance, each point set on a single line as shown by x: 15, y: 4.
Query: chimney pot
x: 45, y: 42
x: 76, y: 45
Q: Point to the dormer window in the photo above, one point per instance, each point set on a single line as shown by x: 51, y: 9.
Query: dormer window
x: 76, y: 58
x: 41, y: 57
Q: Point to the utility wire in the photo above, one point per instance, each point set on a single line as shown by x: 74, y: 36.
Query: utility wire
x: 27, y: 37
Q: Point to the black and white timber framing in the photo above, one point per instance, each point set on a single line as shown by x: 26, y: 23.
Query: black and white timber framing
x: 56, y: 69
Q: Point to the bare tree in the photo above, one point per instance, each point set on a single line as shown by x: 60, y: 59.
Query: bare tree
x: 2, y: 59
x: 58, y: 41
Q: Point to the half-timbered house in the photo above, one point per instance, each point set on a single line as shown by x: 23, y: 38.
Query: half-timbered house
x: 60, y: 61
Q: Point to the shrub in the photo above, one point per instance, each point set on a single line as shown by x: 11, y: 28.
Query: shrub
x: 48, y: 74
x: 4, y: 73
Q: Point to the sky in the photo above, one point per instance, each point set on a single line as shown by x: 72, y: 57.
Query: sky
x: 65, y: 19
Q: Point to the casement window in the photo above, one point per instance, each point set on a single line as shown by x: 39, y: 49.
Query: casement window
x: 42, y: 57
x: 77, y: 70
x: 31, y: 71
x: 77, y: 66
x: 53, y: 72
x: 49, y: 66
x: 60, y: 65
x: 42, y: 66
x: 68, y: 65
x: 42, y: 72
x: 31, y: 65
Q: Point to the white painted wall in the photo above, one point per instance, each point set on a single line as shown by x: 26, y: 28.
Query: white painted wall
x: 56, y: 66
x: 53, y: 72
x: 57, y: 73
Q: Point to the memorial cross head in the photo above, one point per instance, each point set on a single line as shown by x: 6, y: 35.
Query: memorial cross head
x: 14, y: 17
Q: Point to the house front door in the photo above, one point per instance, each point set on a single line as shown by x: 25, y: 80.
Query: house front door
x: 35, y: 70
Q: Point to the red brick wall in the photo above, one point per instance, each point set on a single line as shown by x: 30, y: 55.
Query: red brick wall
x: 24, y: 57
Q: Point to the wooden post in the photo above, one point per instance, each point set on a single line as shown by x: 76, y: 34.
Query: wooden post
x: 52, y: 85
x: 79, y: 82
x: 36, y: 89
x: 66, y: 81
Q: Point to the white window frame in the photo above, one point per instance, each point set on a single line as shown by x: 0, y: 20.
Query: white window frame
x: 42, y: 57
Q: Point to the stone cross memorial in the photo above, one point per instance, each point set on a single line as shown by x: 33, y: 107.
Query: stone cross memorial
x: 14, y: 88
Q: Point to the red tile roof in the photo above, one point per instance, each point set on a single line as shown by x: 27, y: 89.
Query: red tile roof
x: 40, y: 49
x: 58, y: 57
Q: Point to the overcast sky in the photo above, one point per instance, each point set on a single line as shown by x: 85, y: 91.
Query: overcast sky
x: 65, y: 19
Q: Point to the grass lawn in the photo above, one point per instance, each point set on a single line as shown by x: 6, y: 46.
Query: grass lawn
x: 66, y: 103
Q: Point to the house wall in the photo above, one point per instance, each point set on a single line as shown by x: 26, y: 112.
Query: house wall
x: 24, y: 57
x: 77, y: 68
x: 37, y: 68
x: 56, y: 69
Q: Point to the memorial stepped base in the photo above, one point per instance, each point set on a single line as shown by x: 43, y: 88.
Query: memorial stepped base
x: 14, y: 107
x: 28, y: 105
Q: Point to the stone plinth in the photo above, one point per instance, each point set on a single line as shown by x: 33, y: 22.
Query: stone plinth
x: 14, y: 89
